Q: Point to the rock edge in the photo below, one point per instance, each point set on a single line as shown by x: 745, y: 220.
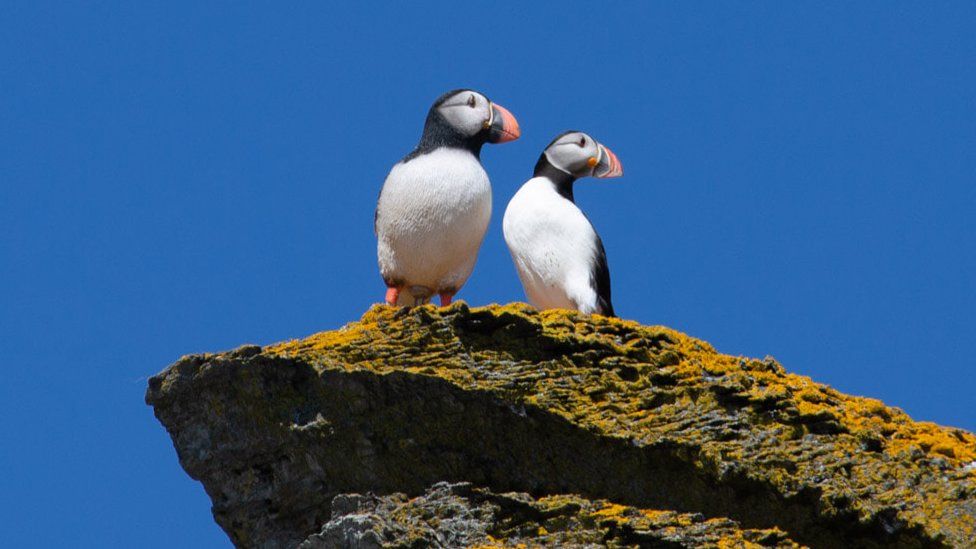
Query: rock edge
x: 554, y: 403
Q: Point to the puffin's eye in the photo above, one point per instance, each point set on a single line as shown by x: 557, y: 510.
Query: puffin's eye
x: 471, y: 101
x: 582, y: 142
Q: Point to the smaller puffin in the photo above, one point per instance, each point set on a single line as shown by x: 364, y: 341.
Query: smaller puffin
x: 435, y: 204
x: 557, y: 253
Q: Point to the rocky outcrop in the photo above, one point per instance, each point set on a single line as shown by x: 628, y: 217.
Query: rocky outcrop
x: 460, y: 515
x: 555, y: 405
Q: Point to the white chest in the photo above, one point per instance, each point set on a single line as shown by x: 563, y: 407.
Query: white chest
x: 553, y: 246
x: 437, y: 188
x: 432, y: 216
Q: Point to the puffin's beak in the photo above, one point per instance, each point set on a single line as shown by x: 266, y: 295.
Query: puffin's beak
x: 503, y: 126
x: 608, y: 165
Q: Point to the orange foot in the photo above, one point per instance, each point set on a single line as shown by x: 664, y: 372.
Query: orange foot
x: 392, y: 294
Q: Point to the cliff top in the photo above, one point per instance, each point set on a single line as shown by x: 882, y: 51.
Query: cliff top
x: 550, y: 403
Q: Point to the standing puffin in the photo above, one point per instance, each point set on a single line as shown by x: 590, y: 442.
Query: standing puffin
x: 558, y: 255
x: 435, y: 204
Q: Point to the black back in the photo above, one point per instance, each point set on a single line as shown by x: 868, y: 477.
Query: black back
x: 600, y: 279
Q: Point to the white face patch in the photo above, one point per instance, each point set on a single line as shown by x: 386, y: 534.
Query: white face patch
x: 467, y: 111
x: 572, y: 152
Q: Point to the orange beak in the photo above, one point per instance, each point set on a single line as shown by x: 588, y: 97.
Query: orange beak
x: 608, y: 165
x: 504, y: 127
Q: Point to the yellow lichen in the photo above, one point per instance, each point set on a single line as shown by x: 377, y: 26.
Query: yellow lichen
x: 612, y: 509
x: 626, y: 380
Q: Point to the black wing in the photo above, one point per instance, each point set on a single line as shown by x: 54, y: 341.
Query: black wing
x: 600, y: 279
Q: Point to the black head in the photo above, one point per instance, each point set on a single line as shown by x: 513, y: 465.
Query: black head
x: 572, y: 155
x: 466, y: 119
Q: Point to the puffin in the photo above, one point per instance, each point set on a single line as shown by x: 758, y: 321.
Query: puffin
x: 558, y: 254
x: 434, y: 207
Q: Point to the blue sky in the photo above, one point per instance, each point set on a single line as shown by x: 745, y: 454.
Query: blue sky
x: 176, y: 178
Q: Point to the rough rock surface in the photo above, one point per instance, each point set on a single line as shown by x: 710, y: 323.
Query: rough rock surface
x: 460, y: 515
x: 555, y: 403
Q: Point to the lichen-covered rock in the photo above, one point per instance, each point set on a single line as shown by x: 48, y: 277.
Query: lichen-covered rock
x: 555, y: 403
x: 461, y: 515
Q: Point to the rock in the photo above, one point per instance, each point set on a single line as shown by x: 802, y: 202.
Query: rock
x: 550, y: 403
x: 460, y: 515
